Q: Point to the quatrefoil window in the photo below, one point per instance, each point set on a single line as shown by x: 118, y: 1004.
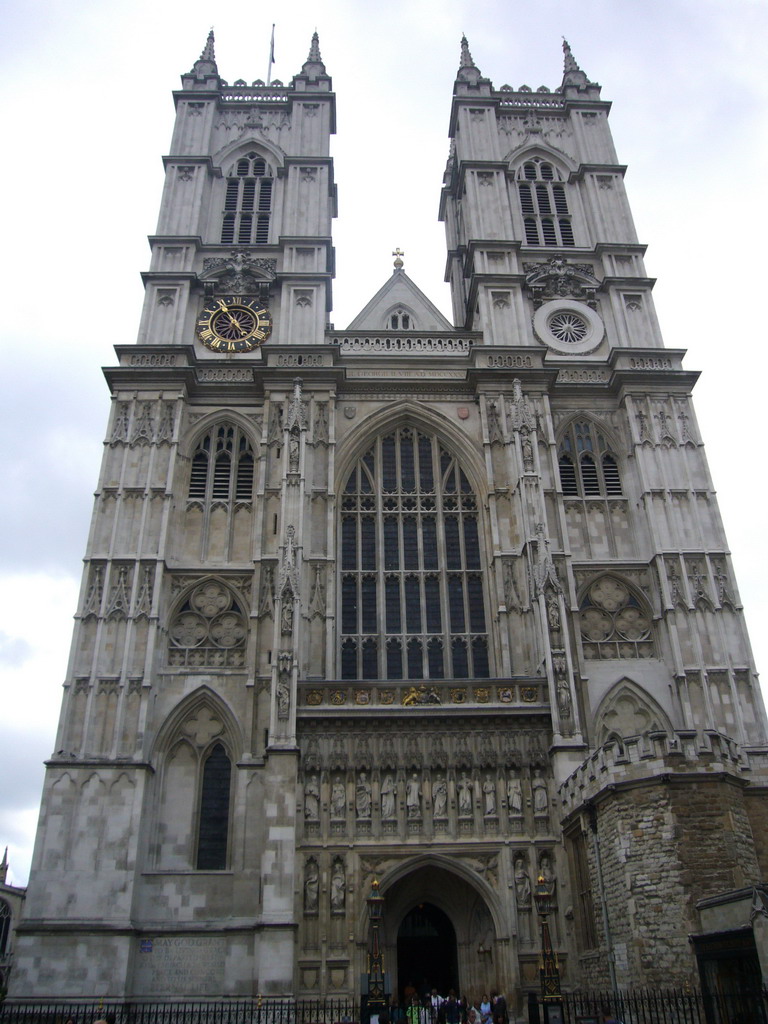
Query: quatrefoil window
x: 613, y: 622
x: 209, y: 630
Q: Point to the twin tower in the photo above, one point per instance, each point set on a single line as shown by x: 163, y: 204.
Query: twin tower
x: 448, y: 606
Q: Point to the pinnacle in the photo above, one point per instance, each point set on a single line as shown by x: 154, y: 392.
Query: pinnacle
x: 466, y: 57
x: 208, y: 52
x: 569, y: 62
x: 314, y: 50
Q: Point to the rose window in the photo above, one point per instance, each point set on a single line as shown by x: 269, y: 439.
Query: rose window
x: 209, y: 630
x: 613, y: 622
x: 568, y: 327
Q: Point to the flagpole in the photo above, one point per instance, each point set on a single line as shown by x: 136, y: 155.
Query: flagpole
x: 271, y: 55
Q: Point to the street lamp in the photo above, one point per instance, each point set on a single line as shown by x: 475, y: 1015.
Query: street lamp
x: 549, y: 969
x: 376, y: 997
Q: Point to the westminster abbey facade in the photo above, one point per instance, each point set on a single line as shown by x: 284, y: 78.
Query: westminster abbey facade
x: 448, y: 606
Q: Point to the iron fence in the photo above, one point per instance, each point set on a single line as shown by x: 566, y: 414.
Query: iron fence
x: 670, y: 1006
x: 254, y: 1011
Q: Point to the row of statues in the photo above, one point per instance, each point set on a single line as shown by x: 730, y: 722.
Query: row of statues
x: 418, y: 791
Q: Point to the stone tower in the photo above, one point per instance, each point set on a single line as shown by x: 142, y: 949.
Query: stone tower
x: 445, y: 607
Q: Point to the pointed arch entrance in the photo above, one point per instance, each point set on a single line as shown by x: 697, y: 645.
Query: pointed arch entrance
x: 426, y: 951
x: 444, y: 928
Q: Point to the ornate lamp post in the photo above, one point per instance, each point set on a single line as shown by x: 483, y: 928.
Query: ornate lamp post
x: 376, y: 996
x: 549, y: 969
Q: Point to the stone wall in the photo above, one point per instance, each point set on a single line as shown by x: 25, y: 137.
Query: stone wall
x: 672, y: 817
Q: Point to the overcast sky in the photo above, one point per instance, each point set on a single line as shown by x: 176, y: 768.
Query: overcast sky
x: 87, y: 113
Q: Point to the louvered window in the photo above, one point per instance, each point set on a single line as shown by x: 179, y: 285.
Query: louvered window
x: 544, y: 205
x: 412, y: 592
x: 588, y: 468
x: 247, y: 203
x: 222, y: 467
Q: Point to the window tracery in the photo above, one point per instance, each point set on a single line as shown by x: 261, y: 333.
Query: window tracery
x: 412, y: 597
x: 401, y: 319
x: 209, y: 630
x: 248, y: 202
x: 614, y: 623
x: 544, y: 204
x: 588, y: 467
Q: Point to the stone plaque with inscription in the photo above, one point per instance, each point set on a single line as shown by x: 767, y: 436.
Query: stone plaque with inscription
x: 192, y: 964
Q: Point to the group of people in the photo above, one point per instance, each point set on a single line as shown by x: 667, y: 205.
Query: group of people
x: 429, y: 1007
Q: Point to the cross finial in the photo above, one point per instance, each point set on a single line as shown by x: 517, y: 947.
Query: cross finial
x: 399, y: 260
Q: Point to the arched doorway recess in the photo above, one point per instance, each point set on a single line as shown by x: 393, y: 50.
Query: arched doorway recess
x: 449, y: 917
x: 426, y: 951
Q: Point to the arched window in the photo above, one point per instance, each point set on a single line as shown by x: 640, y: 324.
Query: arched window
x: 5, y: 927
x: 412, y: 604
x: 247, y: 202
x: 400, y: 320
x: 588, y: 468
x: 614, y: 622
x: 544, y: 205
x: 213, y: 830
x: 222, y: 467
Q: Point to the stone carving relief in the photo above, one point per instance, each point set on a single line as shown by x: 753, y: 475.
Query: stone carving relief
x: 240, y: 273
x: 559, y: 279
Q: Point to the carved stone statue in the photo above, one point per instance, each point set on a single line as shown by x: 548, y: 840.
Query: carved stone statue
x: 363, y: 797
x: 388, y: 794
x: 514, y: 795
x: 464, y: 788
x: 522, y: 882
x: 547, y: 872
x: 338, y: 799
x: 311, y: 887
x: 413, y: 796
x: 439, y: 798
x: 338, y: 888
x: 489, y: 796
x: 311, y: 799
x: 540, y: 793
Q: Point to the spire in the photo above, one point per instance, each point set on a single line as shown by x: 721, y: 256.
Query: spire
x: 206, y: 62
x: 313, y: 66
x: 4, y: 867
x: 468, y: 70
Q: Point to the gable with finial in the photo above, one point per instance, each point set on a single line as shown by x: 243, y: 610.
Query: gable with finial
x: 398, y: 296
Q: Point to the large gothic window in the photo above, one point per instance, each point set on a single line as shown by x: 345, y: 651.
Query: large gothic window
x: 248, y: 202
x: 412, y: 604
x: 544, y: 204
x: 588, y: 467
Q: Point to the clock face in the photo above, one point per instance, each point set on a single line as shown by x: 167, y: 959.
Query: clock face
x: 234, y: 324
